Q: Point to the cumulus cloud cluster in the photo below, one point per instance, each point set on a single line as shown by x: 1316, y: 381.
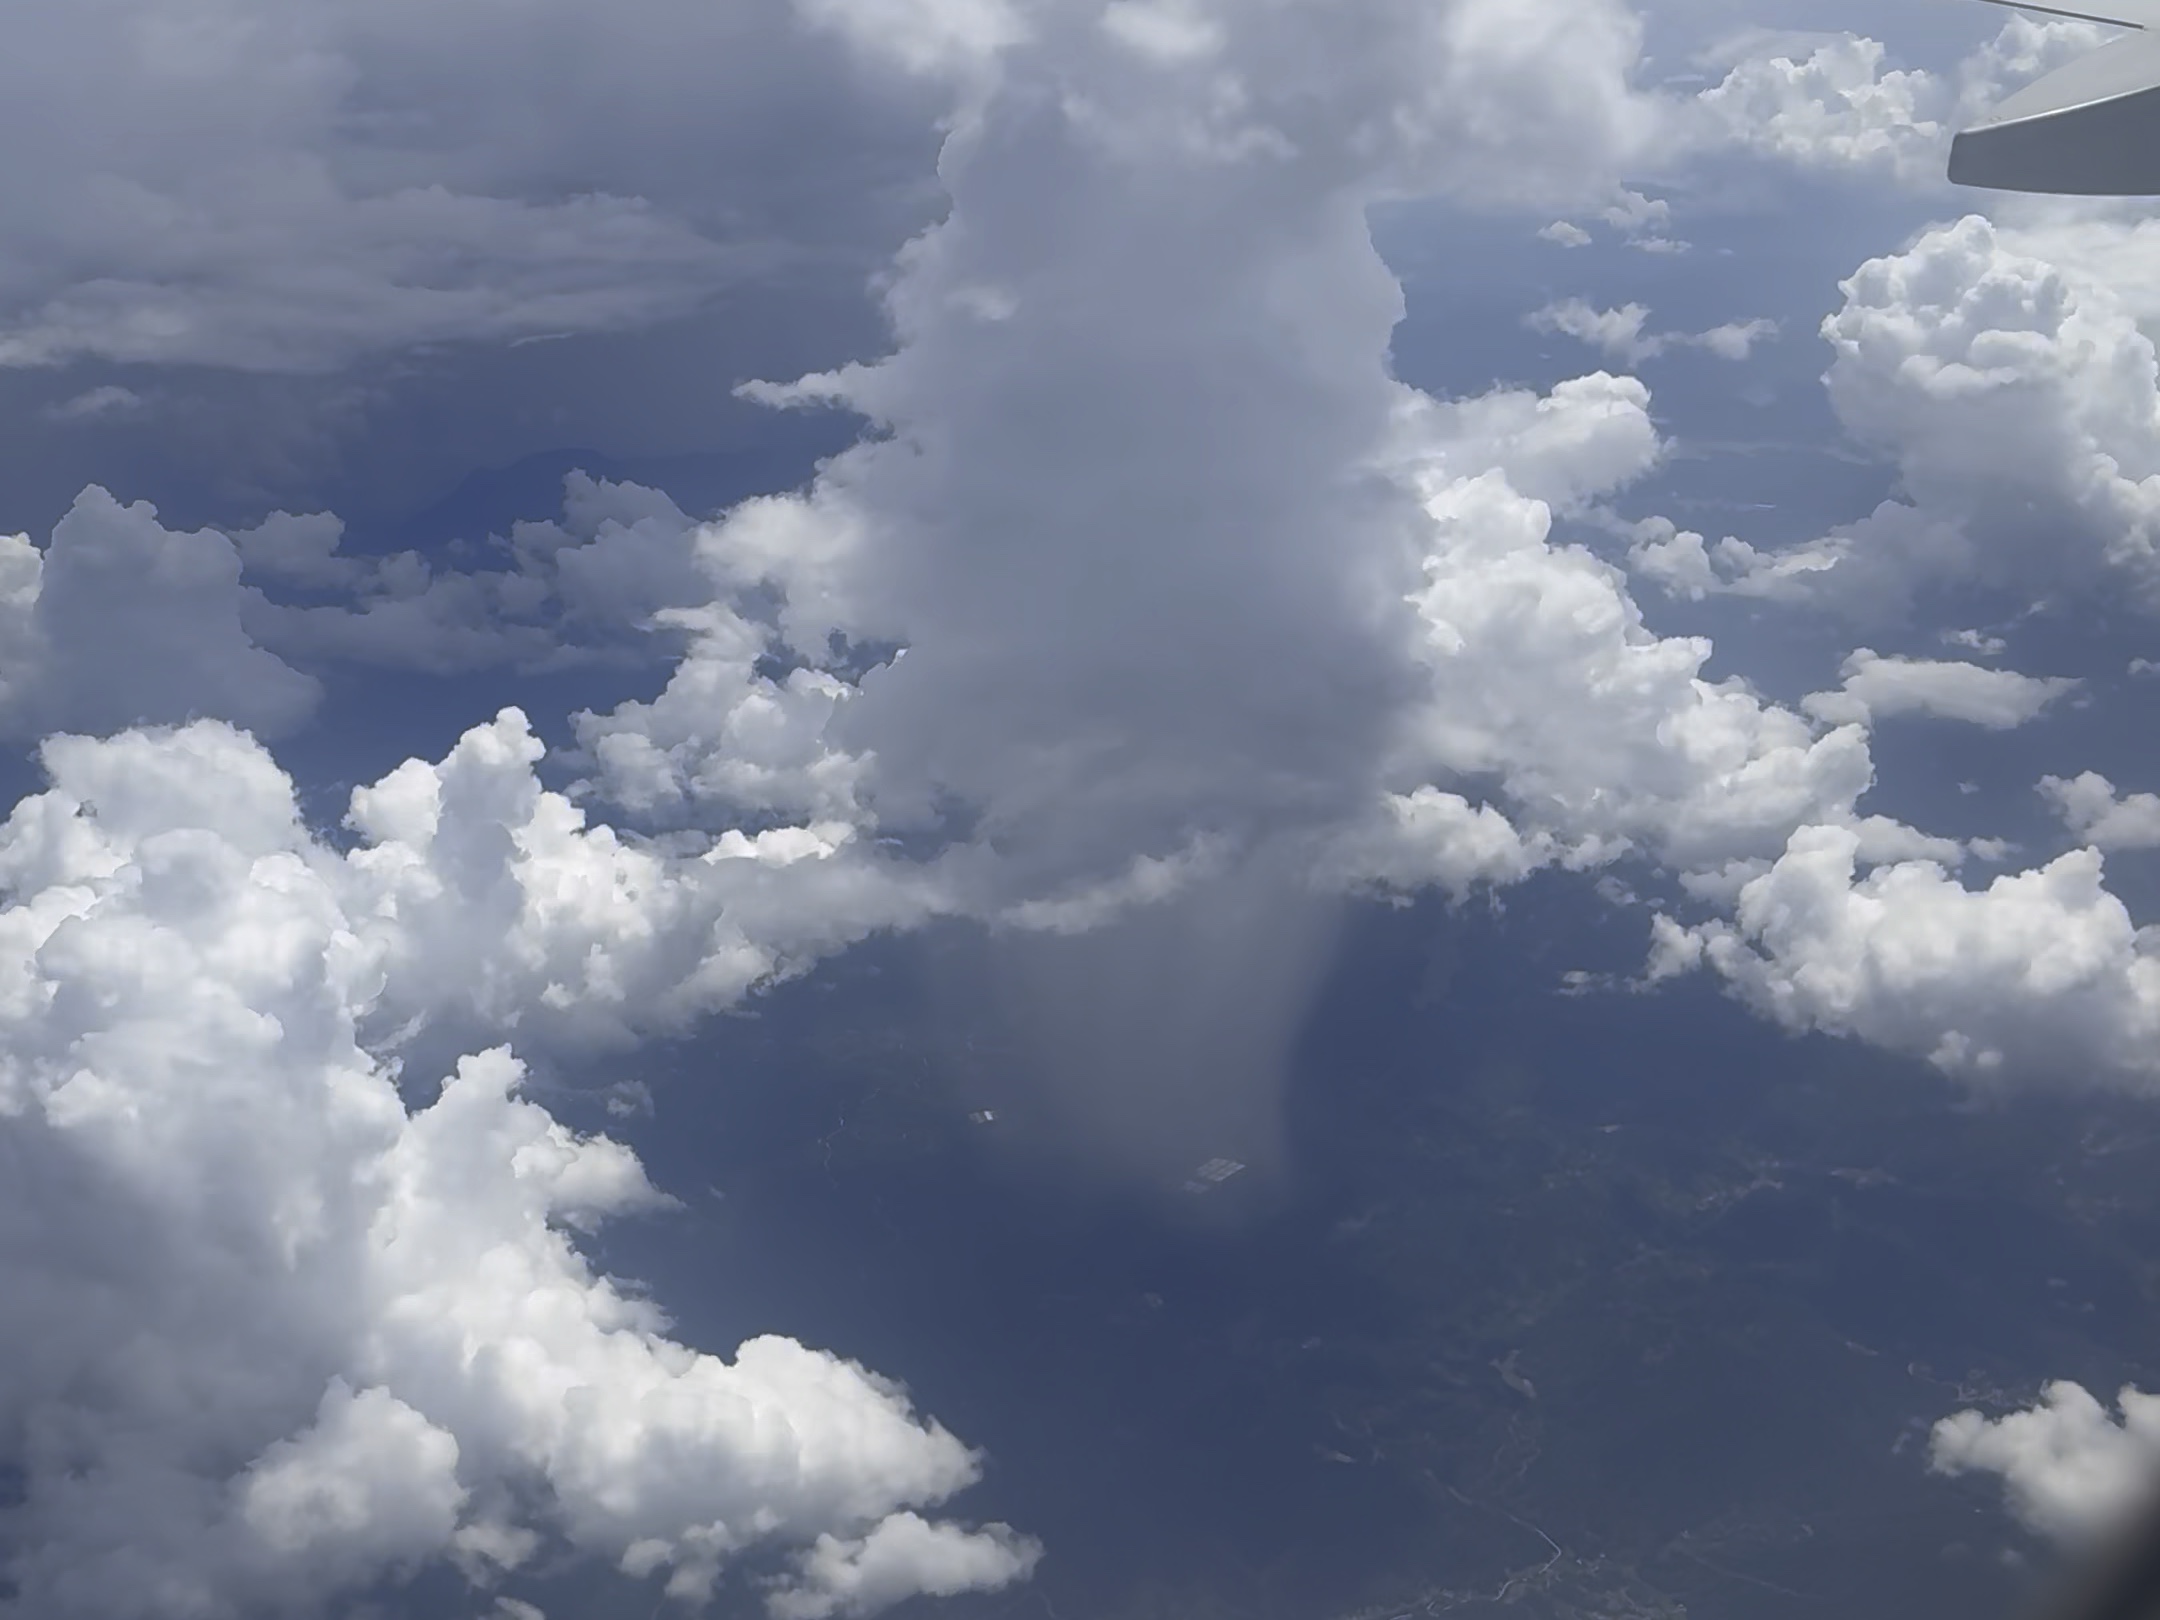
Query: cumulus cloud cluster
x: 1835, y: 102
x: 2005, y: 373
x: 2002, y: 362
x: 2040, y: 977
x: 1312, y: 603
x: 1149, y: 587
x: 1621, y: 334
x: 118, y: 619
x: 293, y: 1333
x: 285, y: 1361
x: 2003, y: 369
x: 1838, y: 105
x: 2018, y: 398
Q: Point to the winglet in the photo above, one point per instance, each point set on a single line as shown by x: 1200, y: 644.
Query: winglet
x: 2090, y: 129
x: 2121, y: 13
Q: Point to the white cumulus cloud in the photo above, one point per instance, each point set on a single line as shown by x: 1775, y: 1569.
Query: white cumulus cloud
x: 1836, y: 101
x: 276, y: 1362
x: 1837, y: 106
x: 582, y: 587
x: 2007, y: 377
x: 2094, y: 812
x: 1878, y: 688
x: 2041, y: 977
x: 121, y: 620
x: 905, y: 1554
x: 2070, y: 1468
x: 1620, y: 332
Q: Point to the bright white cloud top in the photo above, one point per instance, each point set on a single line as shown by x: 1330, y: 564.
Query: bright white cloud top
x: 2006, y: 375
x: 1169, y: 591
x: 352, y: 1336
x: 1621, y: 332
x: 2070, y: 1467
x: 1877, y: 688
x: 2096, y: 813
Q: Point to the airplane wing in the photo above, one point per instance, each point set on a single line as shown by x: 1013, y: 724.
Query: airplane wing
x: 2122, y: 13
x: 2089, y: 129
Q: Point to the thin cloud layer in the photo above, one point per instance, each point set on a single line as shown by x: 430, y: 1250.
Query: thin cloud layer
x: 580, y: 588
x: 288, y: 188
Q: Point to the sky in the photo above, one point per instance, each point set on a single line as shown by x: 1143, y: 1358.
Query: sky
x: 529, y: 524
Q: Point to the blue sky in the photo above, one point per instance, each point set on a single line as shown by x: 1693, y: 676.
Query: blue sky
x: 539, y: 524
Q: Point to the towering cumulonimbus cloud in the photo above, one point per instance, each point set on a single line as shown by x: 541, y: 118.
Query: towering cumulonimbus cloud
x: 281, y: 1362
x: 1132, y: 512
x: 1170, y: 553
x: 1182, y: 575
x: 1131, y: 418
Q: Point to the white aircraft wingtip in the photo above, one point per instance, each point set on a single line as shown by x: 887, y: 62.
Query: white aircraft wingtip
x: 2091, y: 128
x: 2121, y: 13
